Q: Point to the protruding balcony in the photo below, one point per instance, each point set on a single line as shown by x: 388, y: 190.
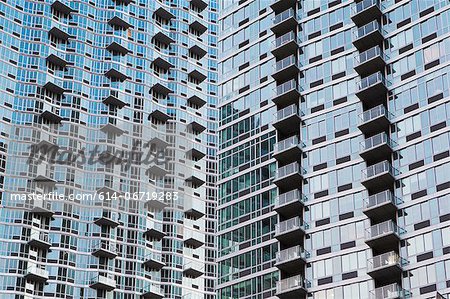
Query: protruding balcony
x: 285, y: 45
x: 287, y: 120
x: 291, y: 259
x: 59, y: 34
x: 376, y: 148
x: 157, y: 171
x: 196, y: 75
x: 365, y: 11
x: 289, y: 149
x: 370, y: 61
x: 391, y: 291
x: 197, y: 49
x: 109, y: 219
x: 111, y: 127
x: 153, y: 291
x: 153, y: 261
x: 289, y: 176
x: 381, y: 206
x: 120, y: 21
x: 290, y: 203
x: 193, y: 239
x: 163, y: 12
x: 44, y: 176
x: 290, y: 232
x: 281, y: 5
x: 117, y: 73
x: 51, y: 113
x: 54, y: 85
x: 292, y: 287
x: 36, y: 274
x: 159, y: 141
x: 40, y: 240
x: 386, y: 267
x: 383, y: 236
x: 367, y: 36
x: 200, y: 4
x: 154, y: 231
x: 287, y: 93
x: 115, y: 47
x: 42, y: 208
x: 161, y: 89
x: 62, y: 6
x: 196, y: 127
x: 198, y: 27
x: 285, y: 21
x: 287, y: 68
x: 379, y: 176
x: 196, y: 153
x: 376, y: 119
x: 159, y: 115
x: 105, y: 283
x: 56, y: 58
x: 193, y: 269
x: 162, y: 63
x: 372, y: 90
x: 104, y: 249
x: 194, y: 208
x: 196, y: 101
x: 163, y: 38
x: 113, y: 100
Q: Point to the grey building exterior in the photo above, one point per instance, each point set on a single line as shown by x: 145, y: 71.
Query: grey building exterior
x: 334, y: 149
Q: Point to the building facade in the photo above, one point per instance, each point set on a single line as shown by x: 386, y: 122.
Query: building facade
x: 334, y: 149
x: 108, y: 105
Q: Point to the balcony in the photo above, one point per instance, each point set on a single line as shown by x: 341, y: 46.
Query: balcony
x: 383, y: 236
x: 287, y: 120
x: 115, y: 47
x: 386, y: 267
x: 290, y: 203
x: 109, y: 219
x: 196, y: 127
x: 44, y: 176
x: 62, y: 6
x: 42, y: 208
x: 287, y: 93
x: 372, y: 90
x: 281, y: 5
x: 193, y: 269
x: 381, y: 206
x: 291, y: 259
x: 194, y: 208
x: 161, y: 89
x: 36, y: 274
x: 112, y: 127
x: 161, y: 63
x: 159, y: 141
x: 193, y: 239
x: 154, y: 231
x: 51, y: 113
x: 375, y: 120
x: 113, y: 100
x: 284, y: 21
x: 153, y: 291
x: 120, y: 21
x: 196, y: 75
x: 104, y: 283
x: 197, y: 50
x: 40, y: 240
x: 285, y: 45
x: 290, y: 232
x: 59, y: 34
x: 118, y: 73
x: 367, y: 36
x: 54, y: 85
x: 370, y: 61
x: 289, y: 176
x: 392, y: 291
x: 153, y: 261
x: 288, y: 149
x: 159, y: 115
x: 365, y: 11
x: 376, y: 148
x: 196, y: 101
x: 157, y: 171
x: 56, y: 58
x: 162, y: 38
x: 287, y: 68
x: 198, y: 27
x: 196, y: 153
x: 104, y: 249
x: 378, y: 177
x: 162, y: 12
x: 292, y: 287
x: 200, y: 4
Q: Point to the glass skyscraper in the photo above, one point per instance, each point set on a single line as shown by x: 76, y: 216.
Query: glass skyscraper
x: 334, y: 170
x: 109, y: 104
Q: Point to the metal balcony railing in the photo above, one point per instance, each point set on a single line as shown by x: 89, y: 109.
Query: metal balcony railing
x: 377, y: 140
x: 290, y: 169
x: 384, y: 260
x: 369, y: 54
x: 287, y: 143
x: 375, y: 112
x: 291, y: 253
x: 291, y: 196
x: 377, y: 169
x: 371, y: 80
x: 380, y: 229
x: 284, y: 63
x: 380, y: 199
x: 290, y: 224
x: 367, y: 29
x: 284, y: 39
x: 293, y: 282
x: 363, y: 5
x: 286, y: 112
x: 289, y: 13
x: 390, y: 291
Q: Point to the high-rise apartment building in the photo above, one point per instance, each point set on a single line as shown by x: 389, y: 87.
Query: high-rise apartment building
x: 128, y: 88
x: 334, y: 168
